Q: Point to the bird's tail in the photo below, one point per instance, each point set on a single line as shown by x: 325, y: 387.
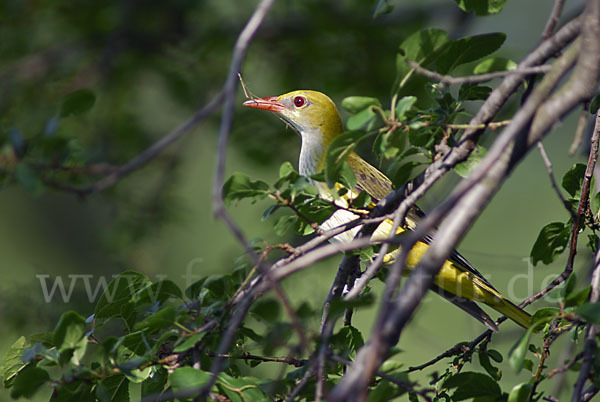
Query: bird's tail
x: 513, y: 312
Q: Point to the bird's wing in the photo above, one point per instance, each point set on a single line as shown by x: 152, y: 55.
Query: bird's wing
x: 378, y: 186
x: 369, y: 179
x: 468, y: 306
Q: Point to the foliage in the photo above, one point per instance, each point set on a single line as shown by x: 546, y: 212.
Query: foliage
x: 172, y: 342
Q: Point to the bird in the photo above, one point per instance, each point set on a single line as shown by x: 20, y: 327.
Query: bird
x: 316, y: 118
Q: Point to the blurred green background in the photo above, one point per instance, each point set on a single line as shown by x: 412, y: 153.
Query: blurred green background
x: 150, y: 65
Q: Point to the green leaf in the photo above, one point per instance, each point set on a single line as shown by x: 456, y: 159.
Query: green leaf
x: 493, y: 64
x: 337, y: 153
x: 17, y: 141
x: 37, y: 351
x: 495, y: 355
x: 132, y: 369
x: 573, y: 179
x: 239, y: 186
x: 404, y: 173
x: 390, y: 143
x: 348, y: 340
x: 284, y: 223
x: 155, y: 384
x: 116, y: 301
x: 159, y: 292
x: 382, y: 391
x: 363, y: 200
x: 520, y: 393
x: 481, y: 7
x: 551, y: 242
x: 347, y: 176
x: 69, y: 331
x: 516, y: 356
x: 12, y: 360
x: 484, y: 360
x: 595, y: 104
x: 194, y: 290
x: 403, y: 106
x: 468, y: 49
x: 187, y: 343
x: 589, y: 311
x: 80, y: 391
x: 473, y: 92
x: 578, y: 298
x: 28, y: 381
x: 338, y: 306
x: 113, y: 389
x: 544, y: 315
x: 241, y: 389
x: 188, y: 378
x: 569, y: 285
x: 595, y: 201
x: 472, y: 385
x: 463, y: 169
x: 365, y: 119
x: 28, y: 178
x: 161, y: 319
x: 134, y: 342
x: 77, y: 103
x: 383, y: 7
x: 286, y: 169
x: 355, y: 104
x: 267, y: 310
x: 423, y: 48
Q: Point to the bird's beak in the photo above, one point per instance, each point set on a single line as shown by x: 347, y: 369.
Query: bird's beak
x: 269, y: 103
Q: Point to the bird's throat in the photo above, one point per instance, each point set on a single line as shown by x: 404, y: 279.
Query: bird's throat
x: 312, y: 153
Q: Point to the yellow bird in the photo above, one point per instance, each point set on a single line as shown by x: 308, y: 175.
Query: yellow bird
x: 315, y: 117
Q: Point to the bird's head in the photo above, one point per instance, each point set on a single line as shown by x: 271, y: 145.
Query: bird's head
x: 311, y: 113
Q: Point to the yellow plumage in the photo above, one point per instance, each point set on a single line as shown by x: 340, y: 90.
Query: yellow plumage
x: 315, y: 117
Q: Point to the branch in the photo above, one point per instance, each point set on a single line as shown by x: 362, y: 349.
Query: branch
x: 472, y: 79
x: 461, y: 209
x: 138, y: 161
x: 590, y: 347
x: 239, y: 52
x: 553, y: 19
x: 228, y: 95
x: 579, y: 216
x: 565, y: 367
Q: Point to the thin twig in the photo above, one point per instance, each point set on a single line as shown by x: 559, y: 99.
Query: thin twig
x: 455, y: 350
x: 494, y: 125
x: 471, y: 79
x: 565, y: 367
x: 305, y: 378
x: 579, y: 216
x: 409, y: 387
x: 553, y: 19
x: 148, y: 154
x: 548, y: 165
x: 543, y: 356
x: 266, y: 359
x: 241, y: 45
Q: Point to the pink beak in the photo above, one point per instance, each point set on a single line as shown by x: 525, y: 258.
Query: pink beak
x: 269, y: 103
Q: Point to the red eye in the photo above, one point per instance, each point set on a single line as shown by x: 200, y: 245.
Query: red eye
x: 299, y: 101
